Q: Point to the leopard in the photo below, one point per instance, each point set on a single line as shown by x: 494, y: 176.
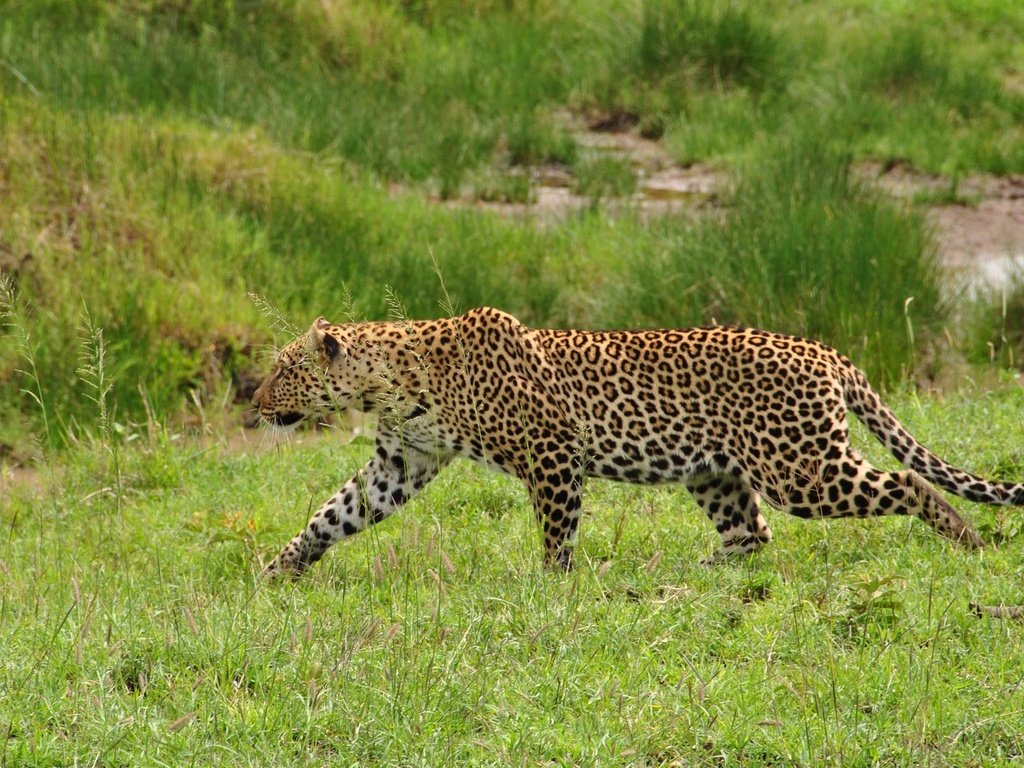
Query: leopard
x: 736, y: 415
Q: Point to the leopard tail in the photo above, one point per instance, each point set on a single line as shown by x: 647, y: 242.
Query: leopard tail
x: 865, y: 403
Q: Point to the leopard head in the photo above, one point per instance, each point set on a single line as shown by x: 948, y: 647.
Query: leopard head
x: 313, y: 374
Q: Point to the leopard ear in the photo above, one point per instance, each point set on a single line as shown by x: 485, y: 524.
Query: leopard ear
x: 323, y: 342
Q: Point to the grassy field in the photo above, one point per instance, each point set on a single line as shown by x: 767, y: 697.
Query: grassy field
x: 161, y: 161
x: 135, y: 632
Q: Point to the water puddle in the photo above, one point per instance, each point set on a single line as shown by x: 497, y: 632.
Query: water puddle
x: 695, y: 185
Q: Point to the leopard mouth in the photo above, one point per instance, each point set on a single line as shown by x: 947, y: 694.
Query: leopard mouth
x: 287, y: 419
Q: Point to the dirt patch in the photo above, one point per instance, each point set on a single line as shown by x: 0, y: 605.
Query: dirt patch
x: 18, y: 469
x: 984, y: 242
x: 978, y: 220
x: 663, y: 186
x: 659, y: 192
x: 22, y: 478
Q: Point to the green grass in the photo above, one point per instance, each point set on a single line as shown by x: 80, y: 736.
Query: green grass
x: 803, y: 248
x: 360, y: 81
x: 719, y: 43
x: 429, y: 93
x: 133, y: 630
x: 602, y: 176
x: 994, y: 325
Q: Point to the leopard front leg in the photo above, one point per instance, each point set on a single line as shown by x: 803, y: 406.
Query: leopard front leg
x: 392, y: 477
x: 555, y: 483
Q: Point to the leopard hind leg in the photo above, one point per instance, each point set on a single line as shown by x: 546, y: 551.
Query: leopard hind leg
x: 853, y: 488
x: 732, y: 506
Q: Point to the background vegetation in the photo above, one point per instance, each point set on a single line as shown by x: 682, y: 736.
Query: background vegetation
x: 160, y: 160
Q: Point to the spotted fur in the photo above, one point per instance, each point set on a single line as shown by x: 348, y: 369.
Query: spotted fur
x: 735, y: 414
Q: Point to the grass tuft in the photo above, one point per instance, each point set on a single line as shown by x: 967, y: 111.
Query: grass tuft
x: 721, y: 43
x: 602, y: 176
x: 994, y: 325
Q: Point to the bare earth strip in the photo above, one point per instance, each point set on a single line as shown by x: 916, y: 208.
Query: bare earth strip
x: 979, y: 224
x: 980, y: 233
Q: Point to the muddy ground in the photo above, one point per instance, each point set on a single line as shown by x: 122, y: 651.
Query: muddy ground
x: 978, y: 221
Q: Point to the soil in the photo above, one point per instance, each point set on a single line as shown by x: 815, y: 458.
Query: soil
x: 22, y: 476
x: 978, y: 222
x: 663, y: 186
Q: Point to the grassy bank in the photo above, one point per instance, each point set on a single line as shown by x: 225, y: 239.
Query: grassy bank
x: 161, y: 161
x: 432, y: 91
x: 158, y: 234
x: 132, y: 629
